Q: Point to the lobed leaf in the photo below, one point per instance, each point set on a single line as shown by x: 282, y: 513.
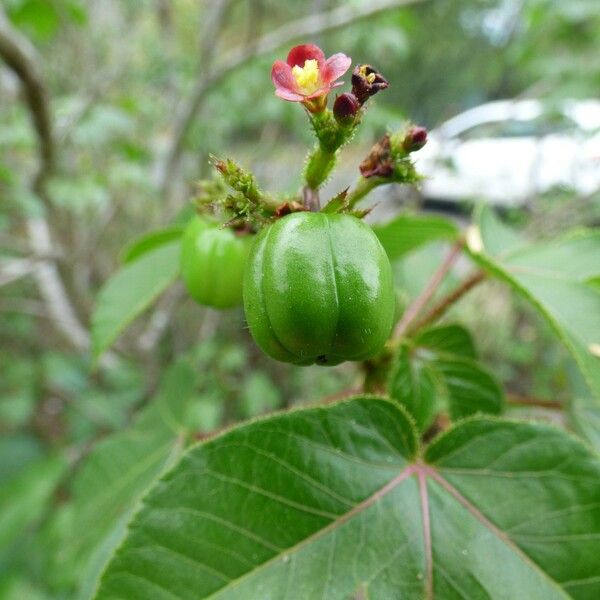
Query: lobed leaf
x: 338, y: 502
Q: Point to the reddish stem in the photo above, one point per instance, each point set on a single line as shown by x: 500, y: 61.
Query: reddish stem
x: 447, y: 301
x: 421, y: 301
x: 519, y: 400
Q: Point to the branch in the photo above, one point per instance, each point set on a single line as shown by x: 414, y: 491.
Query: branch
x: 13, y: 269
x: 21, y: 57
x: 51, y: 286
x: 447, y: 301
x: 427, y: 294
x: 305, y: 27
x: 520, y: 400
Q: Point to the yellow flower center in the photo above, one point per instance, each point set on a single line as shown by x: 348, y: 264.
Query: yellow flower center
x: 370, y: 78
x: 307, y: 77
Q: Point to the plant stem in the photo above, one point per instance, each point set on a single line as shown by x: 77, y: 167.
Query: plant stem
x: 362, y: 188
x: 320, y: 164
x: 519, y: 400
x: 310, y: 199
x: 447, y: 301
x: 425, y: 296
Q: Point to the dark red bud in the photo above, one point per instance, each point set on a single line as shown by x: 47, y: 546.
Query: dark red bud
x: 366, y: 82
x: 345, y: 108
x: 415, y: 139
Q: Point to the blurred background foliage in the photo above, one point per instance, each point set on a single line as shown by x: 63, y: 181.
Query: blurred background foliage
x: 139, y: 93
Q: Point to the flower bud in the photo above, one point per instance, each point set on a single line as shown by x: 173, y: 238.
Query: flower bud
x: 345, y: 108
x: 414, y: 139
x: 366, y: 82
x: 379, y: 162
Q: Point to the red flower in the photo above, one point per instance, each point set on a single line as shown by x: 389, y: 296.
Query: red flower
x: 307, y: 77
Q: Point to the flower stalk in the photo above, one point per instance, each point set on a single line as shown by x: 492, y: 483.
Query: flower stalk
x: 331, y: 134
x: 363, y: 187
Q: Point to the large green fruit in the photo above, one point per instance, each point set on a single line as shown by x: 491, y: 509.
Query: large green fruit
x: 212, y: 263
x: 318, y: 289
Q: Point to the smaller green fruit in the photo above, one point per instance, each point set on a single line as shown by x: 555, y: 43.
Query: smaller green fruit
x: 212, y: 263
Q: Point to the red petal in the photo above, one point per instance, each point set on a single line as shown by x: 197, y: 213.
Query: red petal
x: 324, y: 90
x: 335, y: 67
x: 288, y: 95
x: 320, y: 92
x: 300, y: 54
x: 281, y: 75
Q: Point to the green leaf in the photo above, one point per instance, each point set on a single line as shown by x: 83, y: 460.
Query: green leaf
x: 130, y: 291
x: 499, y: 238
x: 470, y: 387
x: 150, y: 241
x: 26, y: 495
x: 17, y: 588
x: 335, y: 503
x: 553, y: 277
x: 416, y: 385
x: 37, y: 17
x: 586, y: 416
x: 407, y: 232
x: 119, y: 470
x: 449, y: 339
x: 438, y: 369
x: 584, y: 411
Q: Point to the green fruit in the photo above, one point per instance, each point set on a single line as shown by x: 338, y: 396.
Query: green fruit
x: 318, y: 289
x: 212, y: 263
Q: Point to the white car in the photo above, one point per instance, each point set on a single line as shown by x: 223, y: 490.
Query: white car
x: 508, y: 152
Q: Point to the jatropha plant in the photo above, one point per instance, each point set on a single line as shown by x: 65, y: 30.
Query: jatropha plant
x: 318, y: 284
x: 417, y: 487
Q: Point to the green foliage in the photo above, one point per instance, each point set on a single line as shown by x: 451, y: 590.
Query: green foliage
x: 438, y: 369
x: 369, y: 513
x: 327, y: 501
x: 26, y: 495
x: 584, y: 410
x: 150, y: 241
x: 131, y: 290
x: 553, y: 276
x: 405, y: 233
x: 114, y: 475
x: 416, y: 386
